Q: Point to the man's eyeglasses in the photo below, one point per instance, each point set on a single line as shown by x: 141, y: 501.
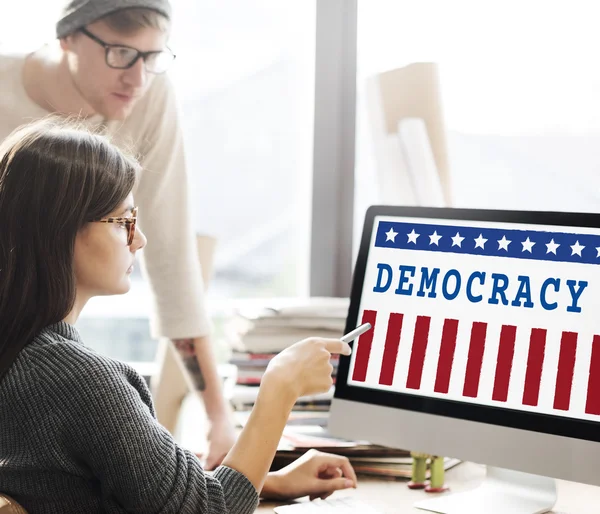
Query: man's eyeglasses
x: 129, y: 223
x: 123, y: 57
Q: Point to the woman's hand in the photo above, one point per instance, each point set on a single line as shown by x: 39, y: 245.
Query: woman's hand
x: 302, y: 369
x: 315, y: 474
x: 305, y: 367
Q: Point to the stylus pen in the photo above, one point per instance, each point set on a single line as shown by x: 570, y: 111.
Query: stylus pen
x: 351, y: 336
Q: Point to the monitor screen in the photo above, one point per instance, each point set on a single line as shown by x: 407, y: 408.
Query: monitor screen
x: 487, y: 316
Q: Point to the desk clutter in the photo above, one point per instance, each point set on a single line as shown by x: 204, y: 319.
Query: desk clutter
x: 257, y: 333
x: 307, y: 430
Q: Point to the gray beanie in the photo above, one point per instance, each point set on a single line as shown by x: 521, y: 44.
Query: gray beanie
x: 78, y: 13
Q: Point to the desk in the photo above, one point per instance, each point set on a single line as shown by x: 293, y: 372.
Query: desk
x: 393, y: 497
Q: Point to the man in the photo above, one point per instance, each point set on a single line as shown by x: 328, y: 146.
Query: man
x: 108, y: 68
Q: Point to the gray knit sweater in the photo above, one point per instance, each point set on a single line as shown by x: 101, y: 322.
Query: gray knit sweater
x: 78, y: 434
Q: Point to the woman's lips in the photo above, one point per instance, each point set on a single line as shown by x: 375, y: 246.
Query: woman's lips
x: 123, y: 97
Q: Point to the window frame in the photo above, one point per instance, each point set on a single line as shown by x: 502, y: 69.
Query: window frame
x: 331, y: 254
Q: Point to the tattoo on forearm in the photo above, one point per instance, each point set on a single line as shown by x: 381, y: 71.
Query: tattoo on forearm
x: 187, y: 352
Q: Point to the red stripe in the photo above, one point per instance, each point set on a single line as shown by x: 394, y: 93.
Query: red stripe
x: 475, y: 359
x: 566, y: 367
x: 417, y: 356
x: 506, y: 351
x: 592, y: 405
x: 535, y: 362
x: 446, y: 358
x: 390, y: 350
x: 364, y: 343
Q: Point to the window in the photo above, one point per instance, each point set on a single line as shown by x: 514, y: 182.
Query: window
x: 520, y: 95
x: 245, y: 77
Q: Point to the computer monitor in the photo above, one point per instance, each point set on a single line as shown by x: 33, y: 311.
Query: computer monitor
x: 485, y: 347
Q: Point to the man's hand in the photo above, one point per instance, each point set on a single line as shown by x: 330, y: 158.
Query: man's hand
x: 221, y: 438
x: 201, y: 370
x: 315, y: 474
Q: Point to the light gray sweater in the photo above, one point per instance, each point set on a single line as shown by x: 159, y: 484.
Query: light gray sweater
x: 78, y: 434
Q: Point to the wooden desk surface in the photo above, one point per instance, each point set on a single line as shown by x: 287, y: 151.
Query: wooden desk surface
x: 392, y: 497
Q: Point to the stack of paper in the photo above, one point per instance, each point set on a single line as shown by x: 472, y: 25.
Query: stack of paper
x: 270, y: 328
x: 366, y: 459
x: 305, y: 431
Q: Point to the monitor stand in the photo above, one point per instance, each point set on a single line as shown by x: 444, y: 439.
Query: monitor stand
x: 502, y: 491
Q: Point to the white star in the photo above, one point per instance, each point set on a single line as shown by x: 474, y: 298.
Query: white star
x: 434, y: 239
x: 552, y: 246
x: 503, y: 243
x: 577, y: 248
x: 527, y: 245
x: 457, y: 240
x: 412, y: 237
x: 480, y: 241
x: 598, y: 250
x: 391, y: 235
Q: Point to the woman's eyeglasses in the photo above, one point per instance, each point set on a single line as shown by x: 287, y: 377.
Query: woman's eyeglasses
x: 123, y: 57
x: 129, y: 222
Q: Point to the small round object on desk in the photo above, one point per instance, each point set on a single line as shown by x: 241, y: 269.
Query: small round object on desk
x: 429, y: 489
x: 417, y: 485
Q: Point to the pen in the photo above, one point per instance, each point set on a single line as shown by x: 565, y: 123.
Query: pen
x: 351, y: 336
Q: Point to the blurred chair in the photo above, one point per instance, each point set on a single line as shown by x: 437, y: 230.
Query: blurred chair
x: 419, y: 161
x: 169, y: 384
x: 10, y: 506
x: 408, y: 134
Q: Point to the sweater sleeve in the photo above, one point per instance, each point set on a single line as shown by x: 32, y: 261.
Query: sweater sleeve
x: 110, y: 428
x: 170, y: 258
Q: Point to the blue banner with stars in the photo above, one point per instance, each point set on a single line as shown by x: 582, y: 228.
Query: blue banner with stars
x: 493, y: 242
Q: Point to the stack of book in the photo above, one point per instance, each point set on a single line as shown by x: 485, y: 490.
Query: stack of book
x: 261, y: 328
x: 257, y: 332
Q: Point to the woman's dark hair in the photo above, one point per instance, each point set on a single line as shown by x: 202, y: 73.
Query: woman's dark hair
x: 55, y: 177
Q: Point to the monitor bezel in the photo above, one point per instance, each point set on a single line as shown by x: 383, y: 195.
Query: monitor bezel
x: 501, y: 416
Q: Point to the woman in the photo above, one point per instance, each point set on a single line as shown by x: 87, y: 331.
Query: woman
x: 77, y: 429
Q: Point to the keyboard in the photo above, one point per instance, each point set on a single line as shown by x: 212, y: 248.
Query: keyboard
x: 347, y: 505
